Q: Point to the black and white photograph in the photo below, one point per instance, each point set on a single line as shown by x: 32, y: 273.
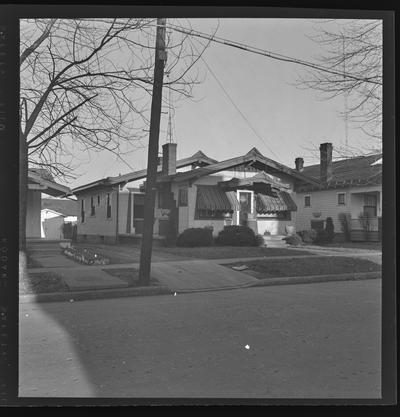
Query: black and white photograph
x: 201, y: 206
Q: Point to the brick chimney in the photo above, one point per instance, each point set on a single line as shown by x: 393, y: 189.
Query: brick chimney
x: 299, y: 162
x: 326, y: 161
x: 169, y: 159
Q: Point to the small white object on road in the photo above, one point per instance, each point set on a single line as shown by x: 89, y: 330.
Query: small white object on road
x: 26, y: 315
x: 174, y: 294
x: 71, y: 300
x: 240, y: 268
x: 247, y: 347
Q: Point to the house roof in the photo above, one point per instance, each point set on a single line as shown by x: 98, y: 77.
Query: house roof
x: 64, y: 206
x: 253, y: 157
x: 199, y: 158
x: 357, y: 171
x: 54, y: 212
x: 44, y: 180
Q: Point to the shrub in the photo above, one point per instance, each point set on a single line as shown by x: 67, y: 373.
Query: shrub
x: 236, y: 236
x: 67, y: 230
x: 195, y: 237
x: 308, y: 236
x: 345, y: 223
x: 330, y: 229
x: 322, y: 236
x: 294, y: 240
x: 260, y: 240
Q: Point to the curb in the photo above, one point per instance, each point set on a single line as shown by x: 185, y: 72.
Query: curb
x: 162, y: 290
x: 354, y: 276
x: 94, y: 295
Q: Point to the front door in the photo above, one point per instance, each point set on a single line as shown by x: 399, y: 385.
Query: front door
x: 245, y: 206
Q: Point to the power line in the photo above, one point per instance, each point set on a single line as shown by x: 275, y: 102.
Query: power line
x: 236, y: 106
x: 269, y: 54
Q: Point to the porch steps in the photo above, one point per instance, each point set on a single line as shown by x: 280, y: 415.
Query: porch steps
x: 275, y: 241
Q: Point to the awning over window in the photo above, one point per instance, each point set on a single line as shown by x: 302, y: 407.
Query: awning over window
x: 282, y: 201
x: 211, y: 197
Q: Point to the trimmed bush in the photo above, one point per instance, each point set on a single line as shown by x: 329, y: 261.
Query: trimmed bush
x: 294, y: 240
x: 322, y: 236
x: 236, y: 236
x: 260, y: 240
x: 330, y: 229
x: 308, y: 236
x: 345, y: 222
x: 196, y: 236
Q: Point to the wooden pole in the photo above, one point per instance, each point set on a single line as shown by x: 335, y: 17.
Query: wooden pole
x: 152, y: 160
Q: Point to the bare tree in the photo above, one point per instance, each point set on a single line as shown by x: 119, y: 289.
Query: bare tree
x: 86, y: 85
x: 353, y: 51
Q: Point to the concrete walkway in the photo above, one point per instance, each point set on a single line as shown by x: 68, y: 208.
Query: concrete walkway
x: 199, y: 275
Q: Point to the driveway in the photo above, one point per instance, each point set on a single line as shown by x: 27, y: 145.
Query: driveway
x: 300, y: 341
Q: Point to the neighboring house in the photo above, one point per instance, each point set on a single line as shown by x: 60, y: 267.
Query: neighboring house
x: 55, y: 213
x: 193, y: 192
x: 66, y: 206
x: 352, y: 186
x: 52, y: 224
x: 39, y: 181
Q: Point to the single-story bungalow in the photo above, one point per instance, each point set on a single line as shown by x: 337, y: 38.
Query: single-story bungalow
x: 199, y: 191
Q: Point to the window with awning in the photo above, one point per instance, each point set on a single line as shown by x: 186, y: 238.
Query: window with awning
x: 213, y: 202
x: 279, y: 202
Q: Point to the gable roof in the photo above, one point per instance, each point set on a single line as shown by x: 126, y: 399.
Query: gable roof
x: 44, y: 179
x: 199, y: 158
x: 357, y: 171
x: 253, y: 157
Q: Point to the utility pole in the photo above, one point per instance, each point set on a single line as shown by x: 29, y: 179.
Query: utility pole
x: 152, y: 160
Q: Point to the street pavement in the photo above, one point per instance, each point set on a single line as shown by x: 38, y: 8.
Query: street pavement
x: 300, y: 341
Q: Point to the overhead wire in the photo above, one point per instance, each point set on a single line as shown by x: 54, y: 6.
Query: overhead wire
x: 269, y: 54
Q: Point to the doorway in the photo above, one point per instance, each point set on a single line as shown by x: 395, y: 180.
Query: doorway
x: 246, y: 203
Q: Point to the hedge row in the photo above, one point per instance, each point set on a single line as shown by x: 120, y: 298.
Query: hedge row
x: 229, y: 236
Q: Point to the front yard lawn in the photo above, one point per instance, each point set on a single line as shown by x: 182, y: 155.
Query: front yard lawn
x: 126, y: 273
x: 228, y: 252
x: 129, y: 253
x: 41, y: 282
x: 321, y: 265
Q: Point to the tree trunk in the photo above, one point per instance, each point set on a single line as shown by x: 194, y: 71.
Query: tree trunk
x: 23, y: 190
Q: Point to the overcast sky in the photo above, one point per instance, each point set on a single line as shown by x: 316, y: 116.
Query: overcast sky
x: 289, y: 120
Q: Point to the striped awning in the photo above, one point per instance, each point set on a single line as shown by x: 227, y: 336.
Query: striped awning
x: 281, y: 201
x: 212, y: 197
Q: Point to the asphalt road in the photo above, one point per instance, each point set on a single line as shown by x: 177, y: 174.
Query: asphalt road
x: 296, y: 341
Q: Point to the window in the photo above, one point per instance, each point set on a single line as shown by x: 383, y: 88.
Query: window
x: 98, y: 200
x: 307, y: 201
x: 92, y: 207
x: 341, y: 199
x: 183, y: 197
x: 82, y: 210
x: 108, y: 207
x: 209, y: 214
